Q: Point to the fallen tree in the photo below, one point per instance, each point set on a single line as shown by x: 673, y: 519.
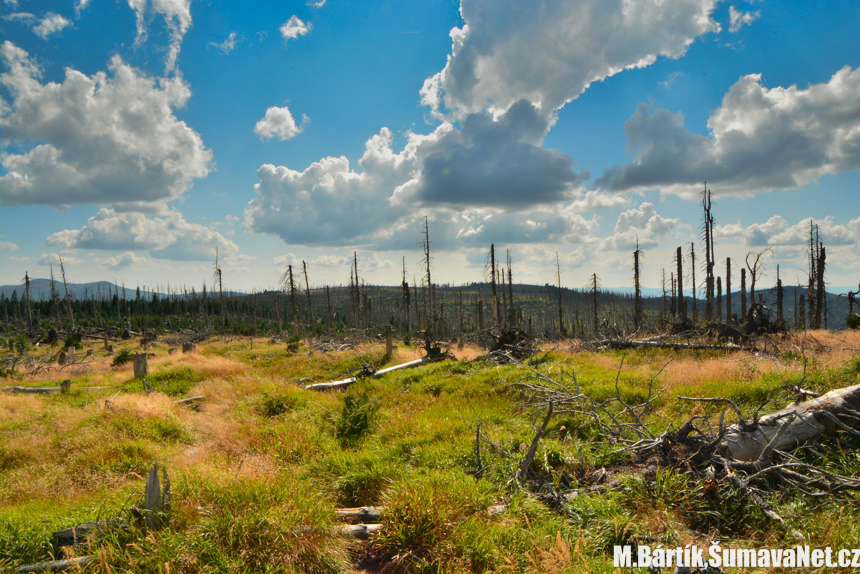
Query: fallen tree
x: 373, y: 374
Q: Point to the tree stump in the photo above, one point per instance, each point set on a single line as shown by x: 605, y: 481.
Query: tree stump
x: 141, y: 365
x: 189, y: 348
x: 66, y: 386
x: 388, y: 342
x: 70, y: 354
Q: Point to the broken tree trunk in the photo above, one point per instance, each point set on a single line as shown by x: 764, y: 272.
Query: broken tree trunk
x: 359, y: 515
x: 795, y: 425
x: 624, y: 344
x: 376, y: 375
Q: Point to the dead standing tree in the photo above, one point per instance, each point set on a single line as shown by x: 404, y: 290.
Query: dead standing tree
x: 561, y: 328
x: 308, y: 293
x: 289, y: 284
x: 710, y: 262
x: 637, y: 290
x: 217, y: 277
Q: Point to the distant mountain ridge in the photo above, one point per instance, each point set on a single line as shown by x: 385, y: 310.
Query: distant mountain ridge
x: 40, y: 290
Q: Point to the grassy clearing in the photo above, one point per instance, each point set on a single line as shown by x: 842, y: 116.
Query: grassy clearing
x: 259, y: 466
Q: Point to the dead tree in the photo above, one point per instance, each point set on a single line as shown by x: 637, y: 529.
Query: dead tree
x: 679, y: 279
x: 426, y: 261
x: 728, y: 289
x: 288, y: 283
x: 637, y: 290
x: 695, y: 312
x: 719, y: 300
x: 819, y: 278
x: 512, y: 320
x: 779, y: 307
x: 492, y: 270
x: 407, y: 307
x: 710, y: 263
x: 812, y: 257
x: 28, y: 299
x: 561, y: 328
x: 330, y: 313
x: 743, y: 314
x: 594, y: 283
x: 756, y: 268
x: 308, y: 292
x: 66, y: 288
x: 217, y: 277
x: 665, y: 303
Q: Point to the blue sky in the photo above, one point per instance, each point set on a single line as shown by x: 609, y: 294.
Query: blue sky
x: 136, y: 136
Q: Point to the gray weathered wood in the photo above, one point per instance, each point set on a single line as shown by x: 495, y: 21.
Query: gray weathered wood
x: 360, y: 531
x: 153, y: 491
x: 376, y: 375
x: 56, y: 565
x: 362, y: 514
x: 141, y: 365
x: 188, y: 400
x: 189, y: 348
x: 805, y: 422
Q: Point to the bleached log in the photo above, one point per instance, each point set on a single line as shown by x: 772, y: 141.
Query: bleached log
x: 56, y: 565
x: 376, y: 375
x: 645, y: 344
x: 188, y: 400
x: 44, y: 390
x: 805, y: 422
x: 362, y: 514
x: 360, y: 531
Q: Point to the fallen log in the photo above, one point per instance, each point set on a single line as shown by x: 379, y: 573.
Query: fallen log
x: 360, y: 531
x: 188, y: 400
x: 625, y: 344
x: 796, y: 424
x: 363, y: 514
x: 376, y: 375
x: 55, y: 565
x: 44, y: 390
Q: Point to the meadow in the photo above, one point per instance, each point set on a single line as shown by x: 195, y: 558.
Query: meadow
x: 259, y: 465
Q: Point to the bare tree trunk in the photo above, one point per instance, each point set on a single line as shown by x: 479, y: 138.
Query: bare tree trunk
x: 637, y: 290
x: 819, y: 277
x: 308, y: 292
x: 719, y: 300
x: 728, y: 289
x: 66, y: 288
x: 743, y: 295
x: 561, y: 328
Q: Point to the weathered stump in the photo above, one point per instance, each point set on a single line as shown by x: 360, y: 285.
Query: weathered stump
x: 171, y: 351
x: 388, y: 342
x: 189, y: 348
x: 66, y: 386
x: 141, y: 365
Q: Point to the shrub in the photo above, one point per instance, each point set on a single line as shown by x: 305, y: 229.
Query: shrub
x: 853, y: 321
x: 355, y: 419
x: 122, y: 357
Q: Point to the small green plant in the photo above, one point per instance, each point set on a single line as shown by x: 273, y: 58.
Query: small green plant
x: 122, y: 357
x: 853, y: 321
x: 407, y: 339
x: 72, y: 340
x: 275, y: 406
x: 355, y: 419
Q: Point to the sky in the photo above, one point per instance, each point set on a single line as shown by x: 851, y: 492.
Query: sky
x: 139, y: 136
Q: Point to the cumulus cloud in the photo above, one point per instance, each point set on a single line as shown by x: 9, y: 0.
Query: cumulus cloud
x: 491, y: 162
x: 778, y: 231
x: 177, y: 17
x: 50, y: 24
x: 169, y: 237
x: 493, y: 169
x: 739, y: 19
x: 124, y: 260
x: 644, y: 224
x: 293, y: 28
x: 227, y: 45
x: 55, y: 259
x: 549, y: 52
x: 278, y: 123
x: 760, y: 139
x: 101, y: 139
x: 366, y: 261
x: 8, y: 246
x: 316, y: 4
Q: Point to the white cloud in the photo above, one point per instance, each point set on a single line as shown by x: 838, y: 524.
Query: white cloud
x: 778, y: 231
x: 549, y: 52
x: 293, y: 28
x: 81, y: 5
x: 50, y: 24
x: 486, y: 178
x: 124, y: 260
x: 55, y: 259
x: 227, y: 45
x: 366, y: 261
x: 760, y: 139
x: 739, y: 19
x: 177, y: 17
x: 8, y: 246
x: 100, y: 139
x: 645, y: 224
x: 317, y: 4
x: 25, y: 258
x: 169, y: 237
x: 278, y: 123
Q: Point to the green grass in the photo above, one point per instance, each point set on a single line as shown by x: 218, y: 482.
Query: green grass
x: 273, y: 460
